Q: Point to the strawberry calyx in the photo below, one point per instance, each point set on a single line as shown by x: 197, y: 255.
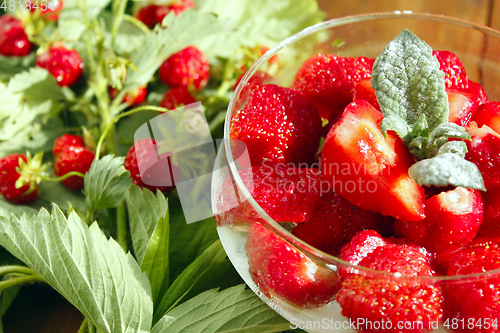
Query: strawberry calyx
x: 32, y: 172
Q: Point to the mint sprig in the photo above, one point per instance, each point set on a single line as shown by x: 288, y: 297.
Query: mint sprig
x: 411, y: 92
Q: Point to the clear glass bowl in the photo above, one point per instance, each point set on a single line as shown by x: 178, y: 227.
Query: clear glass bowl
x: 364, y: 35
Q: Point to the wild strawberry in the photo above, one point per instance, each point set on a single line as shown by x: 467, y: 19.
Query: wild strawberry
x: 477, y: 300
x: 149, y: 170
x: 72, y: 155
x: 49, y: 14
x: 329, y: 79
x: 368, y: 169
x: 363, y: 90
x: 463, y: 106
x: 452, y: 220
x: 491, y: 221
x: 391, y: 299
x: 177, y: 97
x: 186, y: 68
x: 455, y: 76
x: 488, y: 114
x: 147, y: 15
x: 334, y: 222
x: 64, y: 64
x: 484, y: 151
x: 177, y: 6
x: 282, y: 271
x: 135, y: 97
x: 9, y: 176
x: 13, y: 39
x: 278, y: 124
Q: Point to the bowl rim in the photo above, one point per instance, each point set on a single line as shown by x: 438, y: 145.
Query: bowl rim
x: 277, y: 227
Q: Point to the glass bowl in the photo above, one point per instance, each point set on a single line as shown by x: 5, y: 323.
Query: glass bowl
x: 364, y: 35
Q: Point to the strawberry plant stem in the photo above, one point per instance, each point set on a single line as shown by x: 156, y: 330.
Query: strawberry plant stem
x: 91, y: 328
x: 138, y: 24
x: 25, y: 279
x: 121, y: 225
x: 84, y: 327
x: 63, y: 177
x: 16, y: 269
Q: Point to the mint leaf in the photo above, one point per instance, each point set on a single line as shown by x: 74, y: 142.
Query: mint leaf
x: 209, y: 312
x: 396, y: 124
x: 106, y: 184
x: 456, y: 147
x: 449, y: 130
x: 447, y: 169
x: 408, y: 83
x: 90, y: 271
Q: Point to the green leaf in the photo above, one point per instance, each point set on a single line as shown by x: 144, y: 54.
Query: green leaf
x: 10, y: 66
x: 90, y: 271
x: 408, y: 82
x: 184, y: 282
x: 106, y: 184
x: 450, y: 130
x: 395, y: 124
x: 209, y: 312
x: 36, y: 86
x: 421, y: 128
x: 456, y: 147
x: 71, y: 19
x: 62, y: 196
x: 418, y: 146
x: 447, y: 169
x: 8, y: 296
x: 7, y: 209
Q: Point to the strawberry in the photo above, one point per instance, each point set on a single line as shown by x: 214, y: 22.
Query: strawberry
x: 49, y: 14
x: 328, y: 80
x: 278, y: 124
x: 478, y: 90
x: 177, y: 6
x: 463, y: 106
x: 13, y: 39
x: 147, y: 15
x: 281, y: 270
x: 135, y: 97
x: 334, y: 222
x: 72, y: 155
x: 363, y: 90
x: 186, y: 68
x: 158, y: 172
x: 452, y: 220
x: 484, y: 151
x: 491, y: 220
x: 488, y: 114
x: 389, y: 299
x: 368, y: 170
x: 177, y: 97
x: 455, y: 76
x: 476, y: 301
x: 64, y: 64
x: 8, y: 177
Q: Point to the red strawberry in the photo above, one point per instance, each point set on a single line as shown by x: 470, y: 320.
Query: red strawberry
x: 278, y: 124
x: 488, y: 114
x: 186, y: 68
x: 478, y: 90
x: 64, y: 64
x: 177, y: 97
x: 452, y: 220
x: 463, y: 106
x: 491, y: 220
x: 178, y: 6
x: 484, y: 151
x: 69, y: 157
x: 13, y: 39
x: 476, y: 301
x: 369, y: 170
x: 363, y: 90
x: 8, y: 177
x: 147, y: 15
x: 135, y: 97
x: 281, y: 270
x: 50, y: 14
x: 155, y: 170
x: 393, y: 299
x: 329, y: 79
x: 335, y: 221
x: 455, y: 76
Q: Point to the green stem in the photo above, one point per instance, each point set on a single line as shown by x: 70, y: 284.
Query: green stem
x: 121, y: 225
x: 91, y: 328
x: 120, y: 116
x: 16, y: 269
x: 119, y: 7
x: 141, y: 26
x: 63, y: 177
x: 25, y: 279
x: 84, y: 327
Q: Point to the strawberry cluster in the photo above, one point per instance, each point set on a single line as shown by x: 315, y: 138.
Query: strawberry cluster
x: 360, y: 203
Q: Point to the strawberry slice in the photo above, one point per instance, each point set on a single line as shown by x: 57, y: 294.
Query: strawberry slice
x: 488, y: 114
x: 477, y: 300
x: 328, y: 80
x: 366, y: 298
x: 463, y: 106
x: 479, y: 91
x: 363, y: 90
x: 368, y: 170
x: 281, y: 270
x: 455, y: 76
x: 491, y: 222
x: 484, y: 151
x: 452, y: 220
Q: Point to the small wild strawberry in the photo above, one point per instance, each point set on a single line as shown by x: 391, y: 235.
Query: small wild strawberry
x: 64, y: 64
x: 13, y: 39
x: 177, y: 97
x: 186, y: 68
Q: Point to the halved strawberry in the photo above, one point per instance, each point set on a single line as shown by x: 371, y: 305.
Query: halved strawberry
x: 281, y: 270
x: 491, y: 221
x: 328, y: 80
x: 478, y: 90
x: 363, y: 90
x: 369, y: 170
x: 452, y: 220
x: 463, y: 106
x: 488, y: 114
x: 455, y: 76
x: 484, y: 151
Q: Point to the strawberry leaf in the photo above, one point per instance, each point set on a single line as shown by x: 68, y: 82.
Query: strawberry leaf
x: 90, y: 271
x: 10, y: 66
x: 209, y: 312
x: 72, y: 20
